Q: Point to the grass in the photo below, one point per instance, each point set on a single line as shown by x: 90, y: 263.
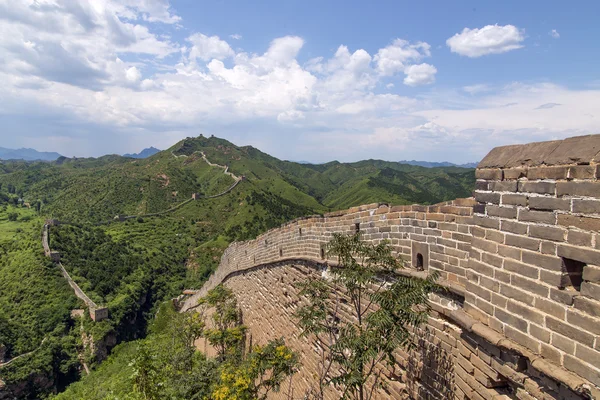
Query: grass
x: 9, y: 229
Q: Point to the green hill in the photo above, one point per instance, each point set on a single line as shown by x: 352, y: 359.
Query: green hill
x: 132, y: 266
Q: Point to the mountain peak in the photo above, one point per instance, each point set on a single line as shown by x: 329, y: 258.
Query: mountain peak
x: 147, y: 152
x: 27, y: 154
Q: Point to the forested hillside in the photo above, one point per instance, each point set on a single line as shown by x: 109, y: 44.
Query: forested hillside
x: 132, y: 266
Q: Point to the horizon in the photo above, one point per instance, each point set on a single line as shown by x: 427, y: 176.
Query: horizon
x: 287, y: 160
x: 298, y: 80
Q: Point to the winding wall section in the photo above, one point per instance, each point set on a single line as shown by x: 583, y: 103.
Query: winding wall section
x: 521, y: 259
x: 97, y: 313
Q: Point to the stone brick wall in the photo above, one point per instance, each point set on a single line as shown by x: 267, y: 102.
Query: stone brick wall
x: 520, y: 260
x: 533, y: 269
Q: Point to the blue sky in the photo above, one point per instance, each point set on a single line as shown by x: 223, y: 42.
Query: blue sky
x: 302, y: 80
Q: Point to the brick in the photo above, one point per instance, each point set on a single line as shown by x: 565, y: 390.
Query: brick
x: 489, y: 174
x: 584, y: 321
x: 486, y: 222
x: 584, y: 223
x: 515, y: 173
x: 591, y: 290
x: 510, y: 252
x: 521, y: 269
x: 514, y: 199
x: 514, y: 227
x: 488, y: 382
x: 489, y: 284
x: 485, y: 245
x: 486, y: 197
x: 502, y: 212
x: 516, y: 294
x: 502, y: 276
x: 591, y: 189
x: 492, y: 260
x: 582, y: 369
x: 551, y: 354
x: 586, y: 206
x: 479, y: 291
x: 499, y: 300
x: 522, y: 338
x: 549, y: 203
x: 522, y: 242
x: 588, y: 355
x: 547, y: 232
x: 582, y: 172
x: 529, y: 314
x: 530, y: 286
x: 555, y: 279
x: 539, y: 333
x: 477, y: 231
x: 479, y: 209
x: 550, y: 263
x: 563, y: 343
x: 563, y: 296
x: 569, y: 331
x: 482, y: 185
x: 559, y: 172
x: 550, y: 307
x: 544, y: 217
x: 537, y: 187
x: 494, y: 236
x: 591, y: 273
x: 481, y: 268
x: 548, y: 248
x: 587, y: 256
x: 578, y: 238
x: 503, y: 186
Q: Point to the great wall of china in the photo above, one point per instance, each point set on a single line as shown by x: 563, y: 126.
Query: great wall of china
x: 520, y: 260
x: 195, y: 196
x: 98, y: 313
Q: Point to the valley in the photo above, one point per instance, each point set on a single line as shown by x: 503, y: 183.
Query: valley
x: 135, y: 236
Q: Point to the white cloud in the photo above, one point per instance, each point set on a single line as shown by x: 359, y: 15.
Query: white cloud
x: 476, y: 89
x: 554, y: 33
x: 207, y: 48
x: 393, y: 58
x: 79, y: 43
x: 421, y: 74
x: 98, y: 75
x: 491, y: 39
x: 236, y: 36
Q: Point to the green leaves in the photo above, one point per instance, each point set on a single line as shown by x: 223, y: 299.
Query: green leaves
x: 383, y: 306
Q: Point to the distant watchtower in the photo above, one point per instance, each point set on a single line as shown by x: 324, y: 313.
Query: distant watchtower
x: 55, y: 256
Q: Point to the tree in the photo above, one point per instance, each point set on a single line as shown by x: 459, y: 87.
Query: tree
x: 227, y: 334
x: 146, y: 376
x: 262, y: 371
x: 383, y: 306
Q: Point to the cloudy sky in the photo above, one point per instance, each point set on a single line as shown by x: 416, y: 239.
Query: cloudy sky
x: 299, y: 79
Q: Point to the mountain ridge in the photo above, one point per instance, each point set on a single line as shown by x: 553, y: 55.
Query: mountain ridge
x: 147, y: 152
x: 27, y: 154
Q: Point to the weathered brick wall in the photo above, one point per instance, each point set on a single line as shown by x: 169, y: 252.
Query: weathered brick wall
x: 521, y: 317
x: 534, y: 272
